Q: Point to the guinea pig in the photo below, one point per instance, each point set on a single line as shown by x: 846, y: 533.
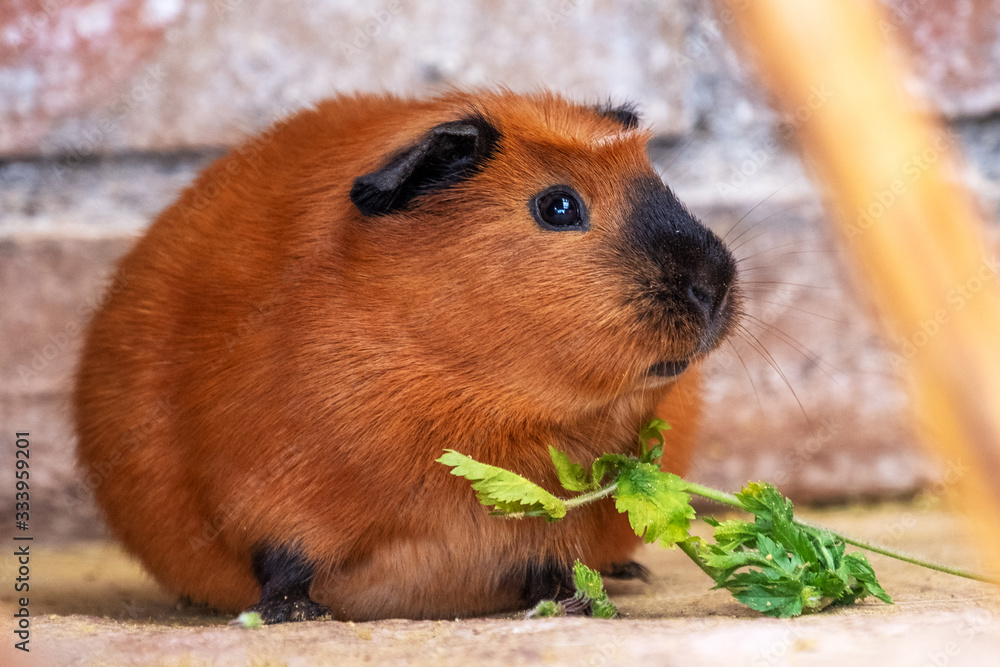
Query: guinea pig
x: 289, y: 348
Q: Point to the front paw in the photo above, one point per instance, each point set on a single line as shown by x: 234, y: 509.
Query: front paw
x: 290, y: 610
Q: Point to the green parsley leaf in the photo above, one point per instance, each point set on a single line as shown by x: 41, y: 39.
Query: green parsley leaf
x: 590, y: 586
x: 729, y: 562
x: 657, y: 506
x: 859, y: 568
x: 508, y: 492
x: 653, y: 431
x: 571, y: 475
x: 781, y: 597
x: 587, y: 581
x: 733, y: 533
x: 547, y: 609
x: 782, y: 568
x: 249, y: 620
x: 609, y: 463
x: 765, y: 503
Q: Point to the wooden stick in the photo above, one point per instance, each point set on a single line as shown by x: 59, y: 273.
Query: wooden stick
x: 912, y: 233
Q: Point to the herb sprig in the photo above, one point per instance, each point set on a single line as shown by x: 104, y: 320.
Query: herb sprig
x: 775, y: 564
x: 778, y: 567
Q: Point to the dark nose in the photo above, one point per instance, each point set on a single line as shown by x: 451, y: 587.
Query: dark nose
x: 709, y: 294
x: 691, y: 272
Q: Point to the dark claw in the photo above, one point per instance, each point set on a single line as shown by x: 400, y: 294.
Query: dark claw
x: 575, y: 606
x: 628, y: 570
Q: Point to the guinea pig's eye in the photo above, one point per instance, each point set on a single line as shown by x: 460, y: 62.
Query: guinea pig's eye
x: 559, y: 208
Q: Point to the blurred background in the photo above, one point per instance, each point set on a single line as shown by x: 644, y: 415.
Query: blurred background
x: 108, y: 109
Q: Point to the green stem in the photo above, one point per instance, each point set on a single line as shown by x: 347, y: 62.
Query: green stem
x: 720, y: 497
x: 582, y: 499
x: 592, y: 496
x: 898, y: 555
x: 692, y: 552
x: 728, y: 499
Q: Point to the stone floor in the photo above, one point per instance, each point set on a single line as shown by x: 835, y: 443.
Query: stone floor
x: 90, y: 605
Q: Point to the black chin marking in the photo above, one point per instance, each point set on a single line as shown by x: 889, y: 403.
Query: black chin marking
x: 668, y: 369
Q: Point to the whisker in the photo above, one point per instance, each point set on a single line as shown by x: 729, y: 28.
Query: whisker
x: 757, y: 346
x: 746, y: 369
x: 782, y: 211
x: 605, y: 418
x: 687, y: 143
x: 755, y: 208
x: 736, y: 247
x: 681, y: 174
x: 790, y: 253
x: 773, y: 248
x: 801, y: 310
x: 806, y: 353
x: 761, y: 267
x: 732, y: 244
x: 754, y: 295
x: 782, y: 283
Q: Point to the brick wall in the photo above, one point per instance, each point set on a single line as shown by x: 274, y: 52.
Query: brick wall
x: 107, y: 109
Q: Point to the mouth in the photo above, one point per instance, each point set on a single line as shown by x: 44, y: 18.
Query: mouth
x: 668, y: 369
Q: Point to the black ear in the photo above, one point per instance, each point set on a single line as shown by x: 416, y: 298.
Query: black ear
x: 627, y: 115
x: 448, y: 154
